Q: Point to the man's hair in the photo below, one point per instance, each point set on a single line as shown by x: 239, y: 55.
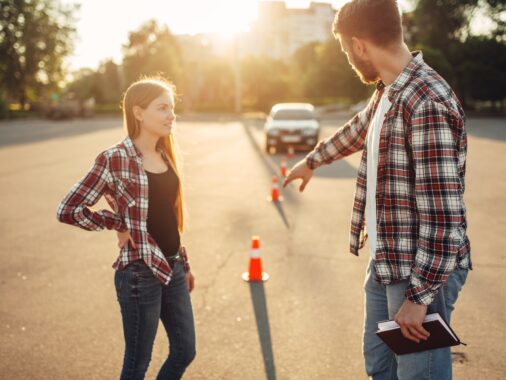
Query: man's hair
x: 377, y: 21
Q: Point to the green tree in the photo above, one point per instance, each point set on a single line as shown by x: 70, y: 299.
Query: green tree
x: 214, y: 85
x: 324, y: 72
x: 473, y: 65
x: 152, y: 50
x: 105, y: 84
x: 35, y: 37
x: 496, y: 10
x: 479, y: 69
x: 83, y: 84
x: 110, y: 83
x: 265, y: 82
x: 438, y: 61
x: 438, y: 22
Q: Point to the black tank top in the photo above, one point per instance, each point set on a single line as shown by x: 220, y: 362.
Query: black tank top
x: 162, y: 221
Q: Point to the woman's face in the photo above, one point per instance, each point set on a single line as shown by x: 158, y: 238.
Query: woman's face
x: 158, y: 118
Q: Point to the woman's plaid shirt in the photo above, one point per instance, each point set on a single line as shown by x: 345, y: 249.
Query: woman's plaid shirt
x: 119, y: 176
x: 421, y: 218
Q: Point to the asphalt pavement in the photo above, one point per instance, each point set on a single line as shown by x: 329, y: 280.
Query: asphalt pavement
x: 59, y: 318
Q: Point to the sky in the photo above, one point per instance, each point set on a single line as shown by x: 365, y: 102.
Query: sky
x: 103, y: 26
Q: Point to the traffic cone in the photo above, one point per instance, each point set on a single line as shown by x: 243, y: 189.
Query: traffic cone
x: 275, y: 191
x: 255, y: 273
x: 283, y: 168
x: 291, y: 152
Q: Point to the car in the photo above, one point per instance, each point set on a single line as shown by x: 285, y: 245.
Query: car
x: 291, y: 125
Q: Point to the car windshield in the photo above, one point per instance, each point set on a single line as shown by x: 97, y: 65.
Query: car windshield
x: 293, y: 115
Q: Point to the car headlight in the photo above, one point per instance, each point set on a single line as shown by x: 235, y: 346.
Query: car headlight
x: 309, y: 132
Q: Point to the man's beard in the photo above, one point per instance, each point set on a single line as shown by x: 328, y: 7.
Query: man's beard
x: 365, y: 70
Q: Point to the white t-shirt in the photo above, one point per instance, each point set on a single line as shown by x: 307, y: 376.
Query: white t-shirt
x: 373, y: 137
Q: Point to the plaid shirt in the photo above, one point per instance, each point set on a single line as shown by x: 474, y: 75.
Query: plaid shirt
x: 119, y: 176
x: 421, y: 216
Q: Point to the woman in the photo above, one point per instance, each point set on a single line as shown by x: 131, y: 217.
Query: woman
x: 140, y: 180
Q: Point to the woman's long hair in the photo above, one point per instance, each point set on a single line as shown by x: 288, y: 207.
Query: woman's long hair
x: 141, y: 93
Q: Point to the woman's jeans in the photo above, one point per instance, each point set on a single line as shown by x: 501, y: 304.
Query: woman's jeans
x: 382, y: 302
x: 144, y: 300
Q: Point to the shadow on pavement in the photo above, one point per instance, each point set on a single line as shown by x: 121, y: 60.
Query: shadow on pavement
x: 338, y: 169
x: 269, y: 164
x: 264, y: 332
x: 279, y: 208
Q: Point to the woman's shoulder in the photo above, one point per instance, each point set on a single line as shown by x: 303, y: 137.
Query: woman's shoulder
x: 115, y: 156
x: 117, y: 150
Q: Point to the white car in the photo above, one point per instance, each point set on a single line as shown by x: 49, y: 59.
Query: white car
x: 291, y: 124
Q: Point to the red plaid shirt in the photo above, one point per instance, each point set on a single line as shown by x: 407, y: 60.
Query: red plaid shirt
x: 421, y: 216
x: 119, y: 176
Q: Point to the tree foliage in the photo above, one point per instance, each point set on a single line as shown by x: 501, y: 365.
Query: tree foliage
x: 152, y: 50
x: 35, y: 37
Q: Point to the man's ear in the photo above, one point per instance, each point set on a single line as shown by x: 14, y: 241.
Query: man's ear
x: 359, y: 47
x: 137, y: 111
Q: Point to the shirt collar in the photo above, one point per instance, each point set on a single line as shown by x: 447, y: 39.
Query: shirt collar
x: 404, y: 77
x: 132, y: 150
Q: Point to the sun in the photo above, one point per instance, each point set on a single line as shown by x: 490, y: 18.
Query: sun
x: 232, y: 17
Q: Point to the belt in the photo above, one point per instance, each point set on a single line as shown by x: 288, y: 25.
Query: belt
x: 172, y: 259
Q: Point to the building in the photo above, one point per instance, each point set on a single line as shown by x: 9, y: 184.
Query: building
x: 279, y: 31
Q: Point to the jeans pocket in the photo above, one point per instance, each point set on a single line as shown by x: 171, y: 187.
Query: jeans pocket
x: 140, y: 272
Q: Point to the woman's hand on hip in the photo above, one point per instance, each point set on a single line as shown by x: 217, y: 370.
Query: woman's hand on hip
x: 123, y: 238
x: 190, y: 279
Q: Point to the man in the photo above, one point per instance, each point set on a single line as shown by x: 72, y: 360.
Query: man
x: 410, y: 186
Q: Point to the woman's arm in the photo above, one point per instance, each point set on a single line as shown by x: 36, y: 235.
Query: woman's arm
x: 74, y: 210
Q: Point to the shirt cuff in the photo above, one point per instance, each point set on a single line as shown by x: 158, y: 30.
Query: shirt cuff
x: 121, y: 226
x: 184, y: 256
x: 421, y: 293
x: 312, y: 160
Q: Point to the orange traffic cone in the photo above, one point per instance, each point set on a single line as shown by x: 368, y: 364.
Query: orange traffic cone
x: 255, y: 273
x: 291, y: 152
x: 275, y: 191
x: 283, y: 167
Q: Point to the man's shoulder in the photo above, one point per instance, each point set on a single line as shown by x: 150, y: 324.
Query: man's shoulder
x: 428, y: 86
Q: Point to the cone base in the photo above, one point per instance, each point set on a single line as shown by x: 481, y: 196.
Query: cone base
x: 245, y: 277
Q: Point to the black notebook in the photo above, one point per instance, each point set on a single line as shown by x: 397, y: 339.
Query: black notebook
x: 441, y: 335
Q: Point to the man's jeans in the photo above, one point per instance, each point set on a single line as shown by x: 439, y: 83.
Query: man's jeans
x: 143, y: 301
x: 382, y: 302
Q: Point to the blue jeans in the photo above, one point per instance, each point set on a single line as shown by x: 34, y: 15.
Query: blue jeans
x: 382, y: 302
x: 143, y: 301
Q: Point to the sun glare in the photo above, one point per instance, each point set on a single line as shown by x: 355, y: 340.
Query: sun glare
x: 231, y: 17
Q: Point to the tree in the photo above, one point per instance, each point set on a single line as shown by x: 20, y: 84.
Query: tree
x: 110, y: 83
x: 152, y: 50
x: 35, y: 37
x: 438, y: 22
x: 479, y: 68
x: 496, y: 11
x: 473, y: 65
x: 324, y: 72
x: 104, y: 85
x: 265, y: 82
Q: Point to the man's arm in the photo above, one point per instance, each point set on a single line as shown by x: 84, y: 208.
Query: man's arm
x: 438, y: 193
x: 74, y: 210
x: 347, y: 140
